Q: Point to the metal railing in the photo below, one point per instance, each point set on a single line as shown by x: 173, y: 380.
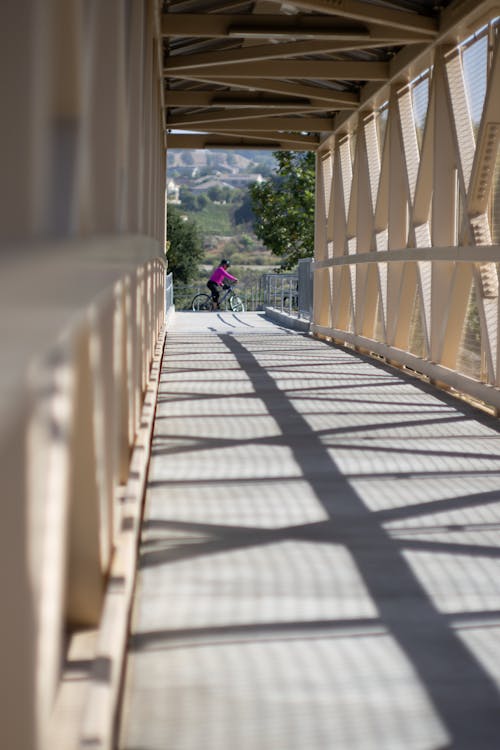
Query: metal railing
x: 305, y: 275
x: 290, y: 293
x: 169, y: 292
x: 182, y: 295
x: 412, y: 275
x: 280, y: 291
x: 82, y: 303
x: 78, y: 387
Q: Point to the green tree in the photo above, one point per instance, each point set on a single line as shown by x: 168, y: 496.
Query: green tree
x: 284, y: 207
x: 201, y: 201
x: 188, y: 199
x: 185, y: 250
x: 215, y: 193
x: 244, y: 214
x: 236, y: 196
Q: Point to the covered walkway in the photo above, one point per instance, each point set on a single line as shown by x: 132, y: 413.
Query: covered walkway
x: 319, y: 555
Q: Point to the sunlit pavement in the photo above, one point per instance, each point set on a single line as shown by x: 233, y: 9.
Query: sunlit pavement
x: 319, y: 565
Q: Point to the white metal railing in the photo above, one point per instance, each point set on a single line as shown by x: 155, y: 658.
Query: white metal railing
x: 85, y: 320
x: 276, y: 290
x: 82, y: 277
x: 460, y: 265
x: 305, y: 287
x: 290, y: 293
x: 169, y: 292
x: 279, y: 291
x: 406, y: 264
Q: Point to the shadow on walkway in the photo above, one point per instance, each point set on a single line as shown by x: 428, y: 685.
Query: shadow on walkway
x: 373, y: 518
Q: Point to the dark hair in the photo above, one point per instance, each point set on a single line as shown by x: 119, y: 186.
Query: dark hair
x: 224, y: 262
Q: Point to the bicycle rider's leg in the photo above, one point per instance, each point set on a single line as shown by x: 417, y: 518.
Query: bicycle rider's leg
x: 214, y: 289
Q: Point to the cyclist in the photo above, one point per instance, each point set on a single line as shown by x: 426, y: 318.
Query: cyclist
x: 218, y: 278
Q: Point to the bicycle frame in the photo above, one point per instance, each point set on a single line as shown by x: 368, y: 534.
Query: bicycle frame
x: 205, y: 302
x: 227, y: 292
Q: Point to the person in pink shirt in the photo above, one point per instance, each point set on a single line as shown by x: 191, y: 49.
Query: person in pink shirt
x: 217, y: 279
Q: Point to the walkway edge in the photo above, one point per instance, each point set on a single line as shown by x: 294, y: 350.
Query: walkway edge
x: 101, y: 706
x: 288, y: 321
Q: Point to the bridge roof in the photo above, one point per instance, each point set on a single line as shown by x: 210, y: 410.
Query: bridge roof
x: 276, y: 75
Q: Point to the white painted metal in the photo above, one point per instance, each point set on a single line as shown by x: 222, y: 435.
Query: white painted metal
x: 419, y: 217
x: 81, y: 300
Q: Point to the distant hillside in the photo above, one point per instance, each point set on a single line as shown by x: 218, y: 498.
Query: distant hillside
x: 210, y: 188
x: 222, y: 161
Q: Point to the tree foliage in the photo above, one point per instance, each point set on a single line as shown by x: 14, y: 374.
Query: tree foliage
x: 244, y: 214
x: 185, y: 249
x: 284, y: 207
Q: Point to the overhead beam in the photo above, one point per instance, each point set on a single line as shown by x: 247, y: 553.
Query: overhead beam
x: 271, y: 135
x: 334, y: 99
x: 302, y: 26
x: 301, y: 70
x: 284, y: 50
x: 240, y: 99
x: 289, y: 124
x: 267, y: 52
x: 360, y: 11
x: 210, y: 140
x: 297, y: 69
x: 205, y: 118
x: 254, y: 25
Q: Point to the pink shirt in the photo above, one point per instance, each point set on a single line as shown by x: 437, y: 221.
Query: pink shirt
x: 220, y: 274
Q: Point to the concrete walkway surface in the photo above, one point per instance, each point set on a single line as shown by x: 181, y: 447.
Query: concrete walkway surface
x: 319, y: 565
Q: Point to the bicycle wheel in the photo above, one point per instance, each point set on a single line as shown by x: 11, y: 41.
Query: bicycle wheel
x: 201, y: 303
x: 236, y: 304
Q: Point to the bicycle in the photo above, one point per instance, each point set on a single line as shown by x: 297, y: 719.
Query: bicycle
x: 204, y: 303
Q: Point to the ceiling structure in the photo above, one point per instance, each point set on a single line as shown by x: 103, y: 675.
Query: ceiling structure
x: 280, y: 75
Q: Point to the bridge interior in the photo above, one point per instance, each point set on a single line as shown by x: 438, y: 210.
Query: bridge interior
x: 398, y: 98
x: 318, y: 564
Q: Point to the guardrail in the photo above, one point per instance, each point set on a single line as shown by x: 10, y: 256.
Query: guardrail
x: 169, y: 293
x: 290, y: 293
x: 183, y: 295
x: 84, y: 322
x: 305, y: 279
x: 82, y: 276
x: 407, y: 224
x: 452, y: 350
x: 280, y: 291
x: 287, y: 292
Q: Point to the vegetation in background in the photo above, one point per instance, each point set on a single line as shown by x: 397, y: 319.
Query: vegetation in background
x: 212, y: 219
x: 215, y: 194
x: 181, y: 162
x: 185, y: 251
x: 284, y: 207
x: 222, y: 212
x: 248, y: 284
x: 244, y: 215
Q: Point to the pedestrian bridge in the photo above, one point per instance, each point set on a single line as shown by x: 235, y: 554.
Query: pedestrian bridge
x: 318, y: 564
x: 216, y: 530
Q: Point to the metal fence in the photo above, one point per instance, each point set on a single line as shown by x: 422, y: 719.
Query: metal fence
x: 182, y: 295
x: 169, y: 292
x: 305, y: 275
x: 288, y: 292
x: 280, y: 291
